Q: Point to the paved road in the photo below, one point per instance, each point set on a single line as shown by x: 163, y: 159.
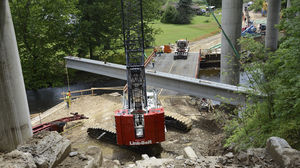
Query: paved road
x: 166, y: 63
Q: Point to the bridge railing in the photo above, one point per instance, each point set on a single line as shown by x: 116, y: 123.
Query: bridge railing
x: 79, y: 93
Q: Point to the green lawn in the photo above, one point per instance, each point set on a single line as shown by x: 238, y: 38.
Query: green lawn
x: 201, y: 27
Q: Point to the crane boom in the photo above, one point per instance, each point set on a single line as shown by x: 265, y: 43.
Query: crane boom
x: 133, y: 32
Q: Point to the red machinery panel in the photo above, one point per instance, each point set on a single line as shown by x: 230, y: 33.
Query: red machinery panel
x: 154, y: 128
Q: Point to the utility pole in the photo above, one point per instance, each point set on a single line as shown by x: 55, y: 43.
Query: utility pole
x: 15, y: 125
x: 273, y: 18
x: 232, y: 25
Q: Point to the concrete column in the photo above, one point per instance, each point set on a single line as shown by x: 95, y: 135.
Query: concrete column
x: 288, y: 4
x: 15, y: 126
x: 273, y: 18
x: 232, y: 25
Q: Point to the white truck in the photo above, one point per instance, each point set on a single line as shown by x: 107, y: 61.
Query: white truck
x: 182, y: 49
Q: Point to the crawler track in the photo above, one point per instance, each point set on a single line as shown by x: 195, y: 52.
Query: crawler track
x: 178, y: 121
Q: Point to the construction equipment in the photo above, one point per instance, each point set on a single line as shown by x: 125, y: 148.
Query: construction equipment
x: 141, y: 122
x: 167, y: 49
x: 182, y: 49
x: 57, y: 125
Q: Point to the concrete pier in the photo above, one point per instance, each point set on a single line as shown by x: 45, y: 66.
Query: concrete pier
x: 232, y: 25
x: 15, y: 126
x: 273, y: 18
x: 288, y: 4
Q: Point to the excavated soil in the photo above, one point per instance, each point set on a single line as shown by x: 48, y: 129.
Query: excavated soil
x: 205, y: 137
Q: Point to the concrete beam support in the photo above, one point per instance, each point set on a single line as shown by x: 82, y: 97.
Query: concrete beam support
x: 273, y: 18
x: 232, y: 25
x: 15, y: 126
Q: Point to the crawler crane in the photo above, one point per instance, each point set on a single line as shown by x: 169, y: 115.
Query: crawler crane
x: 141, y: 122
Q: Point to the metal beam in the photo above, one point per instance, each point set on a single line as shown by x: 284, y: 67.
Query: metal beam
x: 196, y: 87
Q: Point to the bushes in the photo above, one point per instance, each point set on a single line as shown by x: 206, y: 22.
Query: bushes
x: 170, y: 15
x: 180, y: 15
x: 257, y: 5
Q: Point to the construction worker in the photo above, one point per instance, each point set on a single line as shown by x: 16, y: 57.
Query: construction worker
x: 68, y: 99
x: 264, y: 9
x: 160, y: 51
x: 155, y: 52
x: 153, y: 61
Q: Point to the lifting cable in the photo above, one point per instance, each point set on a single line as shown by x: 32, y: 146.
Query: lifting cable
x: 68, y: 80
x: 229, y: 41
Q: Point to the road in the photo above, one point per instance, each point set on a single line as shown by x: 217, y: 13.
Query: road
x: 166, y: 63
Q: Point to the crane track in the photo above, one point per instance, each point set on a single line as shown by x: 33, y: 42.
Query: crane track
x: 178, y: 121
x: 171, y: 120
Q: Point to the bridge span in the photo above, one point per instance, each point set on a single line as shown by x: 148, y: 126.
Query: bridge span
x: 235, y: 95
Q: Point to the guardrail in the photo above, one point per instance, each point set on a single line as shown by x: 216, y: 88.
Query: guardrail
x: 87, y: 92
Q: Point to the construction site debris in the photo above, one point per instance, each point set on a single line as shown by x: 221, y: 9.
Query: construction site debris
x: 91, y: 158
x: 152, y: 162
x: 282, y: 153
x: 71, y: 154
x: 190, y: 153
x: 47, y: 148
x: 96, y: 153
x: 17, y: 159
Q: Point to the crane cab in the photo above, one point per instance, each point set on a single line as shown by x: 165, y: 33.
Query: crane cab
x: 140, y: 129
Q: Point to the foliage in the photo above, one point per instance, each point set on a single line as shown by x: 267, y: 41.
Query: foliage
x: 98, y: 27
x: 184, y: 12
x: 170, y: 15
x: 276, y: 76
x: 257, y: 5
x: 49, y: 30
x: 43, y: 30
x: 216, y: 3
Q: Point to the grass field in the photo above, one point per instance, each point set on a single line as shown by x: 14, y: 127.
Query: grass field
x: 201, y: 27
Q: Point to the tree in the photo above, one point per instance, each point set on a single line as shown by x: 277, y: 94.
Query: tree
x: 44, y: 35
x: 98, y: 26
x: 184, y: 12
x: 48, y: 30
x: 216, y: 3
x: 170, y: 15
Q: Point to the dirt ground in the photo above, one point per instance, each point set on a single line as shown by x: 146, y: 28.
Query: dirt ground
x: 205, y: 136
x: 205, y: 43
